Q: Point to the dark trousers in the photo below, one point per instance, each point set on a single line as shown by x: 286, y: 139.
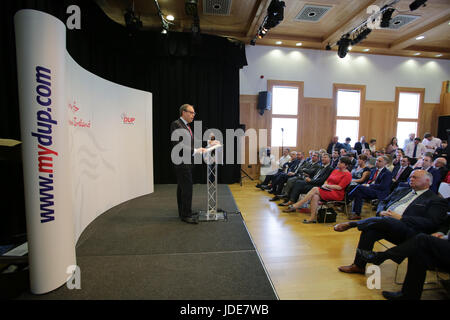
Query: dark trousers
x: 424, y: 252
x: 184, y: 189
x: 278, y: 182
x: 377, y: 228
x: 358, y: 195
x: 300, y: 187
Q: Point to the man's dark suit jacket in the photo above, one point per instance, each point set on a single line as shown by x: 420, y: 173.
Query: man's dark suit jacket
x: 310, y: 169
x: 358, y: 147
x: 323, y: 176
x: 425, y: 214
x: 382, y: 185
x: 403, y: 176
x: 179, y: 124
x: 337, y: 148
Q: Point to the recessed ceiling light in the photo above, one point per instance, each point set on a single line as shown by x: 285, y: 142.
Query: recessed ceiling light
x: 366, y: 50
x: 420, y: 37
x: 298, y: 44
x: 439, y: 55
x: 278, y: 42
x: 170, y: 17
x: 417, y: 54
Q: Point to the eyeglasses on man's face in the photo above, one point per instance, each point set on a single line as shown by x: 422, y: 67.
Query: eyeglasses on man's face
x: 191, y: 112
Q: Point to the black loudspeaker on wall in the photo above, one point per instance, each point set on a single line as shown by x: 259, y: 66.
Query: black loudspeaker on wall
x: 264, y: 101
x: 443, y: 127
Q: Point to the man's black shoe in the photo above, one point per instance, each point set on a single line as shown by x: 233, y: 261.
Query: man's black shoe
x: 274, y: 199
x: 192, y: 219
x: 372, y: 257
x: 394, y: 295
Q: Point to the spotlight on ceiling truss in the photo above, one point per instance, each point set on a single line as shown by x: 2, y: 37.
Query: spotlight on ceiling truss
x: 275, y: 14
x: 417, y: 4
x: 133, y: 23
x: 191, y: 9
x: 164, y: 22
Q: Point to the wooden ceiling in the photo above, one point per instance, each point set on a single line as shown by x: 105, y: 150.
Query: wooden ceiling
x: 245, y: 17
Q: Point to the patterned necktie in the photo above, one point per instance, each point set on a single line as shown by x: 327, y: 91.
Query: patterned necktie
x: 190, y: 131
x: 399, y: 173
x: 374, y: 177
x: 403, y: 200
x: 318, y: 173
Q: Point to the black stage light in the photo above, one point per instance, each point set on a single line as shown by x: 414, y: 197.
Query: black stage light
x: 386, y: 18
x: 361, y: 36
x: 343, y: 44
x: 328, y: 47
x: 132, y: 22
x: 252, y: 42
x: 190, y: 6
x: 417, y: 4
x: 275, y: 14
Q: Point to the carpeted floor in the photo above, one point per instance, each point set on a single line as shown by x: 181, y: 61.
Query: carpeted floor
x: 141, y: 250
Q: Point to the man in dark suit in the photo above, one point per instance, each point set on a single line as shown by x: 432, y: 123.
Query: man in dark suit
x: 424, y: 252
x: 402, y: 215
x: 427, y: 165
x: 377, y: 187
x: 317, y: 180
x: 401, y: 173
x: 184, y: 165
x: 360, y: 145
x: 335, y: 145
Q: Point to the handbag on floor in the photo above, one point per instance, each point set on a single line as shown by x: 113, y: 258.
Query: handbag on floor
x: 326, y: 215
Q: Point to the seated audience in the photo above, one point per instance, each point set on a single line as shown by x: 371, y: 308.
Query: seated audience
x: 409, y: 140
x: 392, y: 146
x: 280, y: 177
x: 415, y: 150
x: 399, y: 154
x: 333, y: 189
x: 441, y: 165
x: 401, y: 173
x: 334, y: 145
x: 282, y: 168
x: 361, y: 173
x: 424, y: 252
x: 377, y: 187
x: 427, y: 165
x: 334, y: 159
x: 431, y: 143
x: 405, y: 213
x: 346, y: 144
x: 372, y: 145
x: 304, y: 186
x: 442, y: 151
x: 361, y: 145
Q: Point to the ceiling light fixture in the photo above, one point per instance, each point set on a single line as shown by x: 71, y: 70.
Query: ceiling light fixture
x: 298, y: 44
x: 278, y: 42
x: 417, y: 54
x: 439, y: 55
x: 366, y: 50
x: 420, y: 37
x: 170, y: 17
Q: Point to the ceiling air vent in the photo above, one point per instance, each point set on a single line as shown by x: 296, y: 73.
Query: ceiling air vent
x: 401, y: 20
x: 217, y: 7
x: 312, y: 13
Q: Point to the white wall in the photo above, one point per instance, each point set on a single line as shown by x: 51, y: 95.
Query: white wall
x: 319, y: 69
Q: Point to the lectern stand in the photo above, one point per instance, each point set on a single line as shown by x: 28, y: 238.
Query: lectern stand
x: 212, y: 213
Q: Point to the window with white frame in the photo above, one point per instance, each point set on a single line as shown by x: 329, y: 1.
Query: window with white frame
x: 284, y: 116
x: 408, y: 114
x: 348, y: 104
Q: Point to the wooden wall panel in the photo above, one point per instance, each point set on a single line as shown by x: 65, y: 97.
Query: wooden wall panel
x: 378, y: 122
x: 316, y: 128
x: 430, y: 118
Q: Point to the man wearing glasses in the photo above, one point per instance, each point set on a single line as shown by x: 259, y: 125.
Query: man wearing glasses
x: 184, y: 169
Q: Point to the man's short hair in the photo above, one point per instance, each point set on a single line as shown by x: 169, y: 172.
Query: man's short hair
x: 348, y: 139
x: 373, y: 140
x: 184, y: 108
x: 444, y: 141
x: 363, y: 157
x: 427, y: 135
x: 418, y: 139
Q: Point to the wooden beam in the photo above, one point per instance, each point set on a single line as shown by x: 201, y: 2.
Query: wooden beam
x: 405, y: 41
x: 351, y: 22
x: 259, y: 12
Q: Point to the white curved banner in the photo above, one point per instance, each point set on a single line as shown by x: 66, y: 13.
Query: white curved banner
x: 87, y: 146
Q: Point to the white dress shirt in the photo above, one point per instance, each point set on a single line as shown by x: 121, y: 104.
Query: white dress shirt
x: 409, y: 150
x: 432, y: 145
x: 401, y: 208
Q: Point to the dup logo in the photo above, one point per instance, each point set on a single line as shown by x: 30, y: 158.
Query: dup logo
x: 126, y: 119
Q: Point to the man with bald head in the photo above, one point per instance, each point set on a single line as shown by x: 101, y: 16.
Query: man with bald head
x: 403, y: 214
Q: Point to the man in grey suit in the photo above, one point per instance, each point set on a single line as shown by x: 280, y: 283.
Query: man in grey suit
x: 184, y: 169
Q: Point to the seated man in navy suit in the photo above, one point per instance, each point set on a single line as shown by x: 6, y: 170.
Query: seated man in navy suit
x: 402, y: 215
x: 427, y: 165
x: 401, y: 173
x: 377, y: 187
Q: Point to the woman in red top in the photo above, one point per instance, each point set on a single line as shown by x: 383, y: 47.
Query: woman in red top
x: 332, y: 189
